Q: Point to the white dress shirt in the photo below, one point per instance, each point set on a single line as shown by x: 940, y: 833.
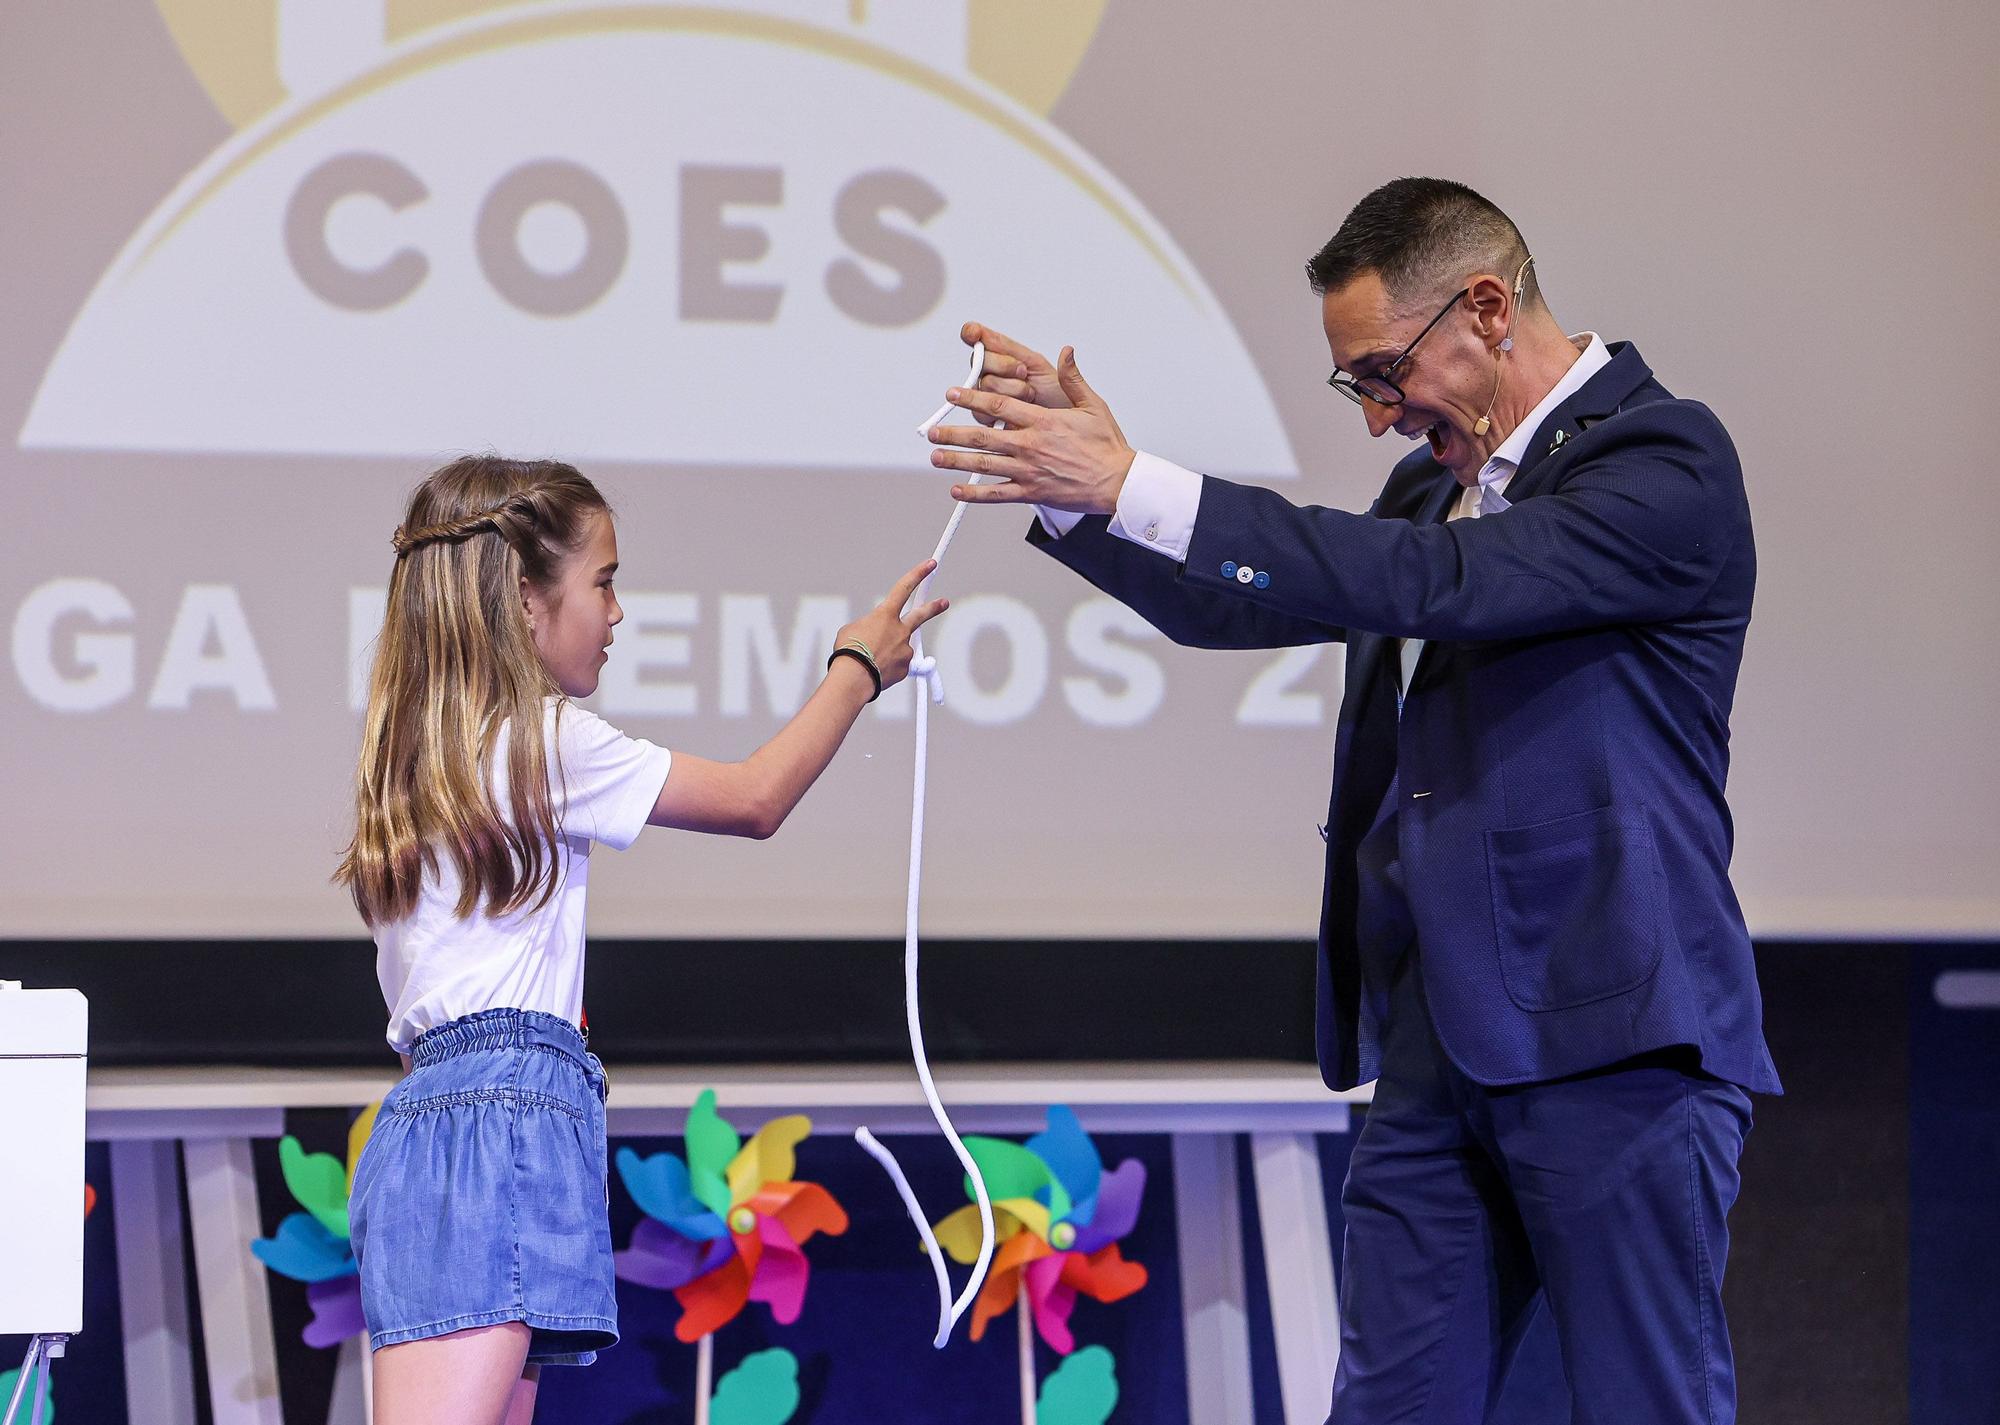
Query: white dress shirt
x: 1157, y: 507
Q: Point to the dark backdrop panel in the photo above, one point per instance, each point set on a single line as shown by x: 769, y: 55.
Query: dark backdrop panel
x: 302, y: 1002
x: 1818, y: 1285
x: 1954, y: 1225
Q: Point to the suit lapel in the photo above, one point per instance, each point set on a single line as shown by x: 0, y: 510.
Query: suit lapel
x: 1371, y: 652
x: 1438, y: 500
x: 1365, y: 748
x: 1597, y: 399
x: 1436, y: 509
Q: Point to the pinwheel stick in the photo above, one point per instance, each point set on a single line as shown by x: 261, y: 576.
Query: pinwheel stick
x: 704, y: 1375
x: 925, y: 668
x: 1027, y: 1339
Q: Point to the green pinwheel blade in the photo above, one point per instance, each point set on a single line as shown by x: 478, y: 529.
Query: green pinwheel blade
x: 1083, y: 1390
x: 1013, y: 1171
x: 763, y: 1390
x: 711, y: 1143
x: 9, y: 1378
x: 318, y: 1181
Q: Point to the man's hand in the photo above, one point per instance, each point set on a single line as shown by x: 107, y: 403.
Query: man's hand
x: 1069, y: 458
x: 1014, y: 370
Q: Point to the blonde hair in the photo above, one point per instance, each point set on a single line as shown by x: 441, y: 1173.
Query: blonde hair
x: 455, y: 663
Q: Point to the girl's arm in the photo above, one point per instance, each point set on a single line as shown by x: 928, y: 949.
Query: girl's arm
x: 753, y: 797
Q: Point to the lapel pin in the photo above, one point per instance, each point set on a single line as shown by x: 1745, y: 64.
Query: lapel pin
x: 1557, y: 443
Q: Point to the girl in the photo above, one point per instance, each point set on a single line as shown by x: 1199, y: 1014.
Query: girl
x: 478, y: 1210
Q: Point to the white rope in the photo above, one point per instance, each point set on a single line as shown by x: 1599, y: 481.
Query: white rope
x: 925, y: 669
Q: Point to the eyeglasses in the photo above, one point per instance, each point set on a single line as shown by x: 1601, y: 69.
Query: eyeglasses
x: 1381, y: 387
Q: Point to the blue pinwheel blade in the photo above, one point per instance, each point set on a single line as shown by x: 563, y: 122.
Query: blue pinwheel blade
x: 1072, y: 1157
x: 304, y: 1250
x: 661, y: 1187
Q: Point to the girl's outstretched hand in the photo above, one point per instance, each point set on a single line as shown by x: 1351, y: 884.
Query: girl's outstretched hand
x: 886, y: 629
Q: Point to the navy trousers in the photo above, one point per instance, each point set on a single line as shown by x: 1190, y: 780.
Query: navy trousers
x: 1602, y: 1199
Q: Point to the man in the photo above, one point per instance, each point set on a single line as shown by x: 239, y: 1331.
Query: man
x: 1529, y: 933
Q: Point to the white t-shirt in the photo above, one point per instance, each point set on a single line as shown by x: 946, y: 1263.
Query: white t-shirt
x: 434, y: 967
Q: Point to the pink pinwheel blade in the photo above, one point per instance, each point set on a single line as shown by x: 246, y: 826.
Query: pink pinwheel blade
x: 1118, y: 1196
x: 781, y: 1273
x: 1051, y: 1299
x: 336, y: 1308
x: 660, y: 1257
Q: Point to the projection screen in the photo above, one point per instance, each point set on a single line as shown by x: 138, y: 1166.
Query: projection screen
x: 268, y: 263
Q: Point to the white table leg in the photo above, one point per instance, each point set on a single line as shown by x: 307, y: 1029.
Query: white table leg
x: 1209, y: 1220
x: 152, y: 1283
x: 236, y: 1329
x: 350, y: 1404
x: 1298, y: 1264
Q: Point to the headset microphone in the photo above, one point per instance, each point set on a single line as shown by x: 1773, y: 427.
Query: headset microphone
x: 1485, y: 422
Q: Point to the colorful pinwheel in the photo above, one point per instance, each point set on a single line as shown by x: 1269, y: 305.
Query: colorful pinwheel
x: 1059, y: 1217
x: 727, y: 1226
x: 312, y: 1246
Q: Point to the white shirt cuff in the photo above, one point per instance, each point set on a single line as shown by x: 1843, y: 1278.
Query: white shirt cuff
x: 1056, y: 522
x: 1156, y: 509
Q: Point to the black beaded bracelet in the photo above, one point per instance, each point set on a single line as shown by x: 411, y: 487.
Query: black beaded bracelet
x: 861, y: 656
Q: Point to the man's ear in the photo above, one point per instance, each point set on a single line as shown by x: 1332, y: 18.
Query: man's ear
x: 1493, y: 304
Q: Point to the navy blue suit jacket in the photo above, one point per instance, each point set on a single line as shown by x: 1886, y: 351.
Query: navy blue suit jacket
x: 1561, y: 753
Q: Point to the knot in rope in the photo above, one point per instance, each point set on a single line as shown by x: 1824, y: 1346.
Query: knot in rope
x: 925, y: 667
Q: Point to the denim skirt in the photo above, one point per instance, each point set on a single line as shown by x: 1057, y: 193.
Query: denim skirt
x: 482, y: 1197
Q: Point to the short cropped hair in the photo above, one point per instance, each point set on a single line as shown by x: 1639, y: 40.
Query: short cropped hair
x: 1423, y: 236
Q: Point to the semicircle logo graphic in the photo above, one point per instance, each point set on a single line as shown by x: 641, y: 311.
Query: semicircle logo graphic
x: 669, y: 234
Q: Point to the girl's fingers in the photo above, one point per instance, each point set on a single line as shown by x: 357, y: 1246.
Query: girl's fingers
x: 907, y: 585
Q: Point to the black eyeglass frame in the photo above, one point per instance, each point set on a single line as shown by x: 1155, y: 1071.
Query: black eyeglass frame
x: 1355, y: 388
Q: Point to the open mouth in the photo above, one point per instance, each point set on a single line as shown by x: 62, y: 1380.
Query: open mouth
x: 1437, y: 436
